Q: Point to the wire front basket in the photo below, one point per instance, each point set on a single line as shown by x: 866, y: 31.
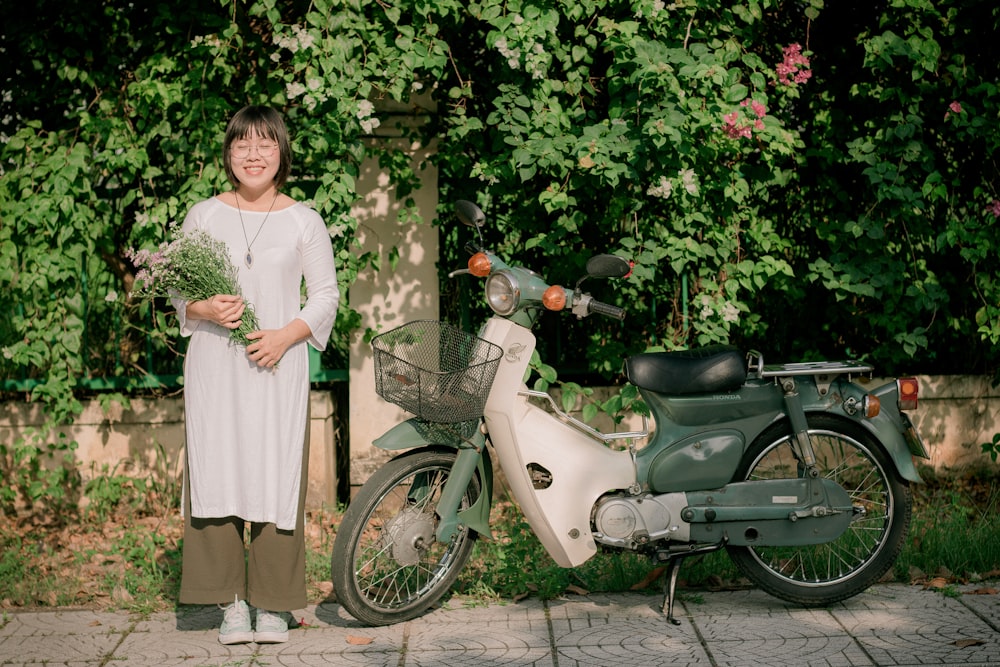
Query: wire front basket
x: 435, y: 370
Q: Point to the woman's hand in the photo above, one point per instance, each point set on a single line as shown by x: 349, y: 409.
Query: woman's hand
x: 269, y: 345
x: 223, y: 309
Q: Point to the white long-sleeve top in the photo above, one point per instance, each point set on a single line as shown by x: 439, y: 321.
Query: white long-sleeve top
x: 245, y: 424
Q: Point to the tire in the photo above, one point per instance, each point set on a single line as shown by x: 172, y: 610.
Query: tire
x: 818, y: 575
x: 386, y: 565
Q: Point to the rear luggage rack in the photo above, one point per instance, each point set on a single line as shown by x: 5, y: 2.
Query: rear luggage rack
x: 824, y: 371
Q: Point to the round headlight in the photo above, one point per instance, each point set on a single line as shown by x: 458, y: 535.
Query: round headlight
x: 502, y: 293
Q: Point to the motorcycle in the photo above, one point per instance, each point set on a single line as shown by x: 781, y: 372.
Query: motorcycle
x: 802, y: 475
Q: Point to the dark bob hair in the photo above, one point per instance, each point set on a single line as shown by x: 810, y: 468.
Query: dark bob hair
x: 267, y: 124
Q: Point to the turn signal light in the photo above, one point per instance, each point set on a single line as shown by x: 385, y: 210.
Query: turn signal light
x: 479, y: 265
x: 872, y: 406
x: 908, y: 390
x: 554, y: 298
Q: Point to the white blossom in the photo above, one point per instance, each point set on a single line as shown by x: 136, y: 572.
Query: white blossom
x: 689, y: 180
x: 662, y: 189
x: 730, y: 313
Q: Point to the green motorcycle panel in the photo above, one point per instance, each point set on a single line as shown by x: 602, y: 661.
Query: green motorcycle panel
x: 777, y: 512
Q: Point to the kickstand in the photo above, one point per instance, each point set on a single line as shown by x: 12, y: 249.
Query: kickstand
x: 670, y: 588
x: 674, y: 559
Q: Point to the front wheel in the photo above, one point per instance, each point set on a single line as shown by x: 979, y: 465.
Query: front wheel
x: 822, y: 574
x: 387, y: 566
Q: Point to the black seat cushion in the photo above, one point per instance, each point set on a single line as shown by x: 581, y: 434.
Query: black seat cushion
x: 707, y: 369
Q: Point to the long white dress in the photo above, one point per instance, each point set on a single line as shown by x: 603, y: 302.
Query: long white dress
x: 245, y: 424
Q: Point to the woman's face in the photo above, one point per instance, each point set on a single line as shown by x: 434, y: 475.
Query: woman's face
x: 255, y: 160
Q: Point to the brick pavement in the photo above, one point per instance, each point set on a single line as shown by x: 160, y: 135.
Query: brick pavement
x: 893, y: 624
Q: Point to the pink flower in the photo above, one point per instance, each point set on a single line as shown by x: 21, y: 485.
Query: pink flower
x: 994, y: 208
x: 795, y: 66
x: 733, y: 129
x: 955, y: 107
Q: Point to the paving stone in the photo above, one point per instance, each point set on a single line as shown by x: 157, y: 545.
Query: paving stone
x: 889, y: 625
x: 58, y: 649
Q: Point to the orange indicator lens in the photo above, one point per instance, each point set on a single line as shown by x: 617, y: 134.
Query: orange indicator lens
x: 554, y: 298
x: 479, y: 265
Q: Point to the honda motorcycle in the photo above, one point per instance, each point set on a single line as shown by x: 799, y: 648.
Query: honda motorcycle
x: 797, y: 470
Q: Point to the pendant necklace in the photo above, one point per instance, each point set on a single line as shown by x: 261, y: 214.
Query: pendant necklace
x: 248, y: 259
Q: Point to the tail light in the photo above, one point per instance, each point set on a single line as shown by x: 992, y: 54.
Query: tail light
x: 908, y: 389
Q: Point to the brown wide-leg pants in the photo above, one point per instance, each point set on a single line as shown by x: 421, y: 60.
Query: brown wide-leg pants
x: 217, y: 565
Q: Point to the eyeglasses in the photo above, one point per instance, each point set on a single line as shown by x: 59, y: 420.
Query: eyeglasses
x: 242, y: 150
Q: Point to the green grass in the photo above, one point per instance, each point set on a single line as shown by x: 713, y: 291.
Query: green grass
x: 125, y: 553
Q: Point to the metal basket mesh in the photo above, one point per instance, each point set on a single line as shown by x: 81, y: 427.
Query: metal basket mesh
x: 435, y: 370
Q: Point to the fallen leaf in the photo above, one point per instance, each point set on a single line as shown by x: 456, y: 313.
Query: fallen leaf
x: 965, y: 643
x: 936, y: 582
x: 649, y: 579
x: 983, y: 591
x: 354, y: 640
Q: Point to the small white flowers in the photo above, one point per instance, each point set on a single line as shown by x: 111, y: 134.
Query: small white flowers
x: 299, y: 39
x: 364, y: 115
x: 111, y: 296
x: 689, y: 181
x: 661, y: 190
x: 665, y: 187
x: 513, y: 56
x: 727, y: 311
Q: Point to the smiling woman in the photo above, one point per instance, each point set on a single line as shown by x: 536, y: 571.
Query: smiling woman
x: 246, y: 418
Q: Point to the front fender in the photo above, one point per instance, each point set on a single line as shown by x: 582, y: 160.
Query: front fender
x: 472, y: 458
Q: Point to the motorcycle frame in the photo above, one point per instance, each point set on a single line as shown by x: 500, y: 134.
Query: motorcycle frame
x: 698, y: 444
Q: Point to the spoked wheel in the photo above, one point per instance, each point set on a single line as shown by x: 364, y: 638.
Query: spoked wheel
x: 822, y: 574
x: 387, y: 566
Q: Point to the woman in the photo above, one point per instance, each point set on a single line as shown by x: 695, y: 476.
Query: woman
x: 246, y: 415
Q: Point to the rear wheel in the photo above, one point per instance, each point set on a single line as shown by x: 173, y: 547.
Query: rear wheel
x: 822, y: 574
x: 387, y: 566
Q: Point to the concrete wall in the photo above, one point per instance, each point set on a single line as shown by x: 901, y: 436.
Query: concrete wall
x: 392, y: 296
x: 148, y: 439
x: 956, y: 415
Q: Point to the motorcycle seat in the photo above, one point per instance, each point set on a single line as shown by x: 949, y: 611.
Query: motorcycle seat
x: 714, y: 368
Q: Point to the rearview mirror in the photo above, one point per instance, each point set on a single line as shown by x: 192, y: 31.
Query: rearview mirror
x: 608, y: 266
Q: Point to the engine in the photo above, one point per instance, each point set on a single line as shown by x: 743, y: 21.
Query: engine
x: 631, y: 522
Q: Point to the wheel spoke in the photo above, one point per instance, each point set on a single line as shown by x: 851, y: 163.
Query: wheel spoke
x: 393, y: 566
x: 846, y: 463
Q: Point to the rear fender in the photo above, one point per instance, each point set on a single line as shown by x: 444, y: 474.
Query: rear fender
x: 889, y: 427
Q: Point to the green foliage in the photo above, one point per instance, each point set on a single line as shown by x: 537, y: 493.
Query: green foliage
x: 633, y: 127
x: 838, y: 198
x: 992, y: 448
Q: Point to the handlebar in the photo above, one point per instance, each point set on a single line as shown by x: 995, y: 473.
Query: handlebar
x: 606, y: 309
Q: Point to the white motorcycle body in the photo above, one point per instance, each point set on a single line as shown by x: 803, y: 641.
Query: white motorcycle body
x: 523, y: 434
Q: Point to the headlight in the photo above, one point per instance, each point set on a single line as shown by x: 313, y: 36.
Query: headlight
x: 503, y: 293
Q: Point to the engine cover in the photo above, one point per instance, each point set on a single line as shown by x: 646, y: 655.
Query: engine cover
x: 629, y: 522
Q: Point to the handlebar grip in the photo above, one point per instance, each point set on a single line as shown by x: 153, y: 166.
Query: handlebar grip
x: 606, y: 309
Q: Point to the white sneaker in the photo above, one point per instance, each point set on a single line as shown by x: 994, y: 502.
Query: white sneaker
x: 236, y: 624
x: 271, y: 628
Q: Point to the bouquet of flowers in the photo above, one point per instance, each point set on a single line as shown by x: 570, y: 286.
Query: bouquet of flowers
x: 193, y: 267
